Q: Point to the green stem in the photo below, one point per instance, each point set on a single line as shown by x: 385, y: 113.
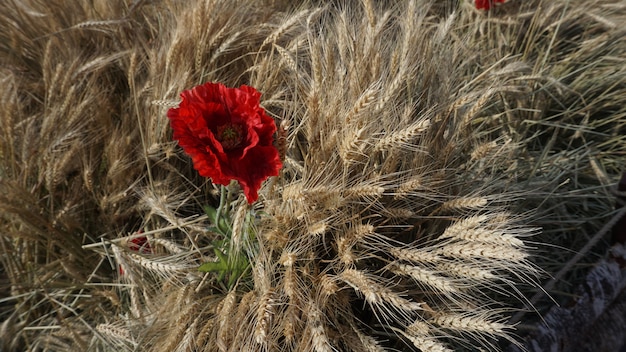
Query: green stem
x: 228, y: 195
x: 218, y: 212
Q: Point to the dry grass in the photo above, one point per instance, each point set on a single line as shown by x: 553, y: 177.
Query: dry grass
x: 426, y: 145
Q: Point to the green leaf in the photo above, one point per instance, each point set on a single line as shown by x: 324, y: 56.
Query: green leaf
x: 221, y: 255
x: 213, y: 267
x: 235, y: 267
x: 223, y: 225
x: 220, y: 225
x: 220, y: 266
x: 210, y: 212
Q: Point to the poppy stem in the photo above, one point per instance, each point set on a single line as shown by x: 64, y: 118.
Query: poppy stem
x: 218, y: 212
x: 229, y: 194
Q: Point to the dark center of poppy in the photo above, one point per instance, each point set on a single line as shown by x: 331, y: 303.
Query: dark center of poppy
x: 230, y: 135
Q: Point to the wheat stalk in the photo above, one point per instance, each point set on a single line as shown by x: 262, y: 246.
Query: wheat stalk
x: 369, y: 343
x: 225, y: 321
x: 280, y: 31
x: 319, y: 339
x: 476, y: 228
x: 415, y: 255
x: 426, y: 343
x: 374, y: 293
x: 364, y: 191
x: 467, y: 323
x: 466, y: 271
x: 116, y: 332
x: 465, y: 203
x: 291, y: 324
x: 264, y: 313
x: 161, y: 268
x: 482, y: 250
x: 318, y: 228
x: 404, y: 137
x: 427, y: 278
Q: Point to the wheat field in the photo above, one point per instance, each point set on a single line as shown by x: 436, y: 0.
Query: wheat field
x: 441, y: 165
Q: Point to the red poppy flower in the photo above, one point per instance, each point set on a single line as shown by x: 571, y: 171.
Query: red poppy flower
x: 140, y: 244
x: 227, y: 134
x: 487, y: 4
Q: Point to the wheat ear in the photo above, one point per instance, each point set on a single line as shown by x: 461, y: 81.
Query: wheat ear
x: 482, y: 250
x: 404, y: 137
x: 427, y: 277
x: 225, y: 321
x: 374, y: 293
x: 264, y: 313
x: 469, y: 323
x: 426, y: 343
x: 319, y: 339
